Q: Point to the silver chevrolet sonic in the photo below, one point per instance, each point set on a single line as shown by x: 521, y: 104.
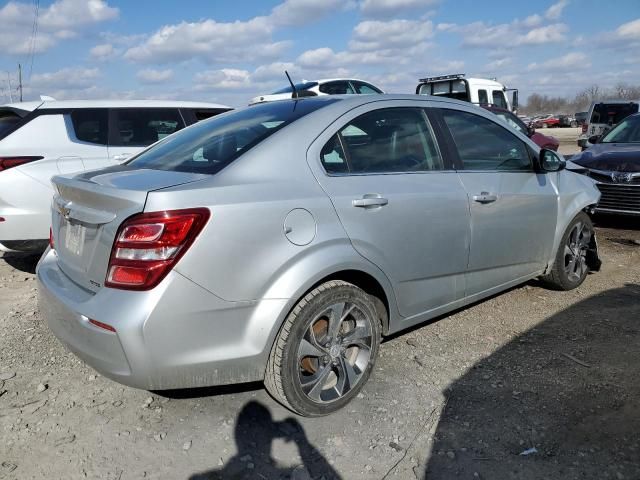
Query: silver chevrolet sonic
x: 280, y: 242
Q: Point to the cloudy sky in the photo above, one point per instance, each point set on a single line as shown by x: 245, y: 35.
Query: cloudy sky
x: 228, y: 52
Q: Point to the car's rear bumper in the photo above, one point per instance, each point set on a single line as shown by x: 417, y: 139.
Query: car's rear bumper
x: 177, y: 335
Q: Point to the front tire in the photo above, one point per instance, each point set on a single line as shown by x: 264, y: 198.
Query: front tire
x: 570, y: 267
x: 325, y: 350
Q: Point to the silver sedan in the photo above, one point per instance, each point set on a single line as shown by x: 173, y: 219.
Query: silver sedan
x: 280, y: 242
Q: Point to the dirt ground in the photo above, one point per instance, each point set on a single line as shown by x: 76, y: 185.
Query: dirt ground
x: 530, y: 384
x: 567, y: 136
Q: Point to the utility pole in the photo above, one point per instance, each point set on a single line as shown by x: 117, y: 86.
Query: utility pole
x: 10, y: 89
x: 20, y: 80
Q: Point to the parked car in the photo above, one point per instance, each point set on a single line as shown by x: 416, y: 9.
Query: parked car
x: 41, y: 139
x: 566, y: 121
x: 581, y: 118
x: 543, y: 141
x: 547, y: 121
x: 614, y: 162
x: 212, y: 258
x: 603, y: 116
x: 327, y: 86
x: 481, y: 91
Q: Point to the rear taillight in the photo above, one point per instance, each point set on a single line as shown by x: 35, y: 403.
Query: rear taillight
x: 9, y: 162
x: 148, y: 245
x: 52, y: 243
x: 584, y: 128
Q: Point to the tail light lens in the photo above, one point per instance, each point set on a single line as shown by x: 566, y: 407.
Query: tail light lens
x: 52, y: 243
x: 148, y: 245
x: 9, y: 162
x: 584, y: 128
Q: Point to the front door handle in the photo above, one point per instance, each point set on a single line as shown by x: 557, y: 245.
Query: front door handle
x: 370, y: 201
x: 485, y: 197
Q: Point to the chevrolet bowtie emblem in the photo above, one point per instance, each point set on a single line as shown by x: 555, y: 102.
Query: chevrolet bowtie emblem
x: 621, y: 177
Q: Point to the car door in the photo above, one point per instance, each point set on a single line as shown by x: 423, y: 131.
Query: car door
x: 133, y: 129
x: 402, y: 206
x: 513, y: 208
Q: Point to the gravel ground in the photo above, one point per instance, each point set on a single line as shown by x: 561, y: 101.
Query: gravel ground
x: 529, y: 384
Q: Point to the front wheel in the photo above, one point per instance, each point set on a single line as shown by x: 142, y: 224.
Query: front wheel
x: 571, y: 267
x: 325, y: 351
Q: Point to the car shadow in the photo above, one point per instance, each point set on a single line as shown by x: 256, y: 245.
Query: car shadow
x: 21, y: 261
x: 559, y: 401
x: 622, y: 222
x: 254, y: 432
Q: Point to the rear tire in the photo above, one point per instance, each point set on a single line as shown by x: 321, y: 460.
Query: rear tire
x: 570, y: 267
x: 325, y: 350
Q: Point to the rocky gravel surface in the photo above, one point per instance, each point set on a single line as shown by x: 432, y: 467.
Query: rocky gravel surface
x: 529, y: 384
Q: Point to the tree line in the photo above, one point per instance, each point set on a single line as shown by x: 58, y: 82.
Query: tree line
x: 539, y: 104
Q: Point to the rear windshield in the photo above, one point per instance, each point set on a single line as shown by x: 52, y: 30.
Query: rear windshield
x: 299, y: 86
x: 612, y: 113
x: 209, y: 146
x: 8, y: 120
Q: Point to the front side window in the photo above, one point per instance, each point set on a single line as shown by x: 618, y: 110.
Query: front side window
x: 141, y: 127
x: 364, y: 88
x: 485, y: 145
x: 512, y: 120
x: 383, y: 141
x: 499, y: 100
x: 483, y: 98
x: 91, y: 125
x: 209, y: 146
x: 336, y: 88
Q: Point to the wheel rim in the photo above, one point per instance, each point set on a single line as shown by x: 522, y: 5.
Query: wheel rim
x: 575, y: 252
x: 334, y: 352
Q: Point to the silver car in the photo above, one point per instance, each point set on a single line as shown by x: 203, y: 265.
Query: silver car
x: 280, y: 242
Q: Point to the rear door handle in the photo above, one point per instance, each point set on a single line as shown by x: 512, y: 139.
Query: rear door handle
x: 370, y: 201
x: 485, y: 197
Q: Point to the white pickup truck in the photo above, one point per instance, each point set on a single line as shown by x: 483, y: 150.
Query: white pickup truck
x: 481, y: 91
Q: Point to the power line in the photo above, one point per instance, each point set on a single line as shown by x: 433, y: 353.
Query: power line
x: 34, y: 36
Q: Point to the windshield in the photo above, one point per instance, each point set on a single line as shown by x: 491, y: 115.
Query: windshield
x: 612, y: 113
x: 299, y: 86
x: 210, y: 145
x: 628, y: 131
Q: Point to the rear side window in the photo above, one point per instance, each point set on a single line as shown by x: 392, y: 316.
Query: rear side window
x: 141, y: 127
x: 483, y: 98
x: 208, y: 113
x: 336, y: 88
x: 612, y: 113
x: 91, y: 125
x: 485, y: 145
x: 8, y: 121
x: 209, y: 146
x: 383, y: 141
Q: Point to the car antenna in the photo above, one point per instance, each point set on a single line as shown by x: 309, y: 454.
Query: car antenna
x: 293, y: 87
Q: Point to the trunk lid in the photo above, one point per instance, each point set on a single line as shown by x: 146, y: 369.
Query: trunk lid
x: 88, y: 209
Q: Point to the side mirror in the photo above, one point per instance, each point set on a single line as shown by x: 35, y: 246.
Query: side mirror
x: 594, y: 139
x: 550, y: 161
x: 514, y: 100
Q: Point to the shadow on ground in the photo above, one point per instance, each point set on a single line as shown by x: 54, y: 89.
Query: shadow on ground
x: 20, y: 261
x: 560, y: 401
x: 254, y: 433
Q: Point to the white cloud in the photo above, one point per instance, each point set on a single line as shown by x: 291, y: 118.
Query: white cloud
x: 65, y: 78
x: 59, y: 21
x: 569, y: 62
x: 508, y: 35
x: 538, y: 36
x: 210, y: 41
x: 630, y: 30
x: 370, y: 36
x: 393, y: 8
x: 554, y: 12
x: 151, y: 76
x: 301, y: 12
x: 103, y: 52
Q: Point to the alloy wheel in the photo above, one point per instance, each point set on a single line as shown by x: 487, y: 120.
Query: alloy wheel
x: 575, y: 251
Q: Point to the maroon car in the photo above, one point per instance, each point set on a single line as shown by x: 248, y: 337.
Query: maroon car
x: 543, y: 141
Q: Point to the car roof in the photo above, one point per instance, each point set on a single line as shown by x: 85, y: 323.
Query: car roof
x: 325, y: 80
x: 55, y: 104
x: 615, y: 102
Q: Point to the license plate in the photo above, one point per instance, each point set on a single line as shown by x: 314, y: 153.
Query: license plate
x: 74, y: 238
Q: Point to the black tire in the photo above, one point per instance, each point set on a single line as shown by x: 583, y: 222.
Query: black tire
x: 570, y: 266
x: 310, y: 370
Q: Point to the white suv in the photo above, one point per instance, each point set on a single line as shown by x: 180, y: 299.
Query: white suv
x: 42, y: 139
